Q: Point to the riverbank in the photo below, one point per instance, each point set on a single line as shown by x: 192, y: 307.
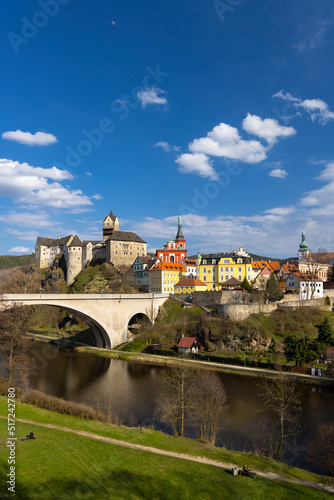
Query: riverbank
x: 156, y: 359
x: 76, y: 458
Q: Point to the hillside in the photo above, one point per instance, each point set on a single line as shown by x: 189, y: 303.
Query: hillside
x: 77, y: 458
x: 8, y: 261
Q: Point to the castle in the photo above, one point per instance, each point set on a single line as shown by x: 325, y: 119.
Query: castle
x: 117, y: 248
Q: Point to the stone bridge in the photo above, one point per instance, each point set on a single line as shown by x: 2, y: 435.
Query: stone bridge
x: 109, y: 316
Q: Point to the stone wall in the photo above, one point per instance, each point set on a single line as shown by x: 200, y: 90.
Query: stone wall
x: 238, y: 312
x: 211, y: 299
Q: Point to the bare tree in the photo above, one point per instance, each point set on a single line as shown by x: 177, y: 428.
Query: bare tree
x: 321, y: 449
x: 280, y: 397
x: 208, y: 405
x: 316, y: 263
x: 14, y: 324
x: 175, y: 398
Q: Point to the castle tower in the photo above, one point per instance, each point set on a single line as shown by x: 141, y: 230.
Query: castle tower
x: 74, y: 259
x: 303, y: 249
x: 180, y: 239
x: 110, y: 224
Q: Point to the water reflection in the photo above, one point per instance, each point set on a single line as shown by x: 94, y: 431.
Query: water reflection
x: 132, y: 390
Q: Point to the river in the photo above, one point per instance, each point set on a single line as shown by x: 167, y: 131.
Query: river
x: 132, y: 390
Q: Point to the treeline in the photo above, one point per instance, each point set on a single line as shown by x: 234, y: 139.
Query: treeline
x: 8, y: 261
x: 304, y: 350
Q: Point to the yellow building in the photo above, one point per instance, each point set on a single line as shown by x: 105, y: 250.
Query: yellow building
x: 164, y: 275
x: 215, y: 269
x: 189, y: 285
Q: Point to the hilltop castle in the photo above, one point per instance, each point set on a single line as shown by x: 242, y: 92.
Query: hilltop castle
x: 117, y: 248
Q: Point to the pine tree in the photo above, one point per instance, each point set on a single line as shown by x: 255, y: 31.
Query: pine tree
x: 325, y: 333
x: 273, y: 290
x: 246, y: 285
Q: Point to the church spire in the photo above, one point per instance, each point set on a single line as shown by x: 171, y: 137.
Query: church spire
x: 179, y: 236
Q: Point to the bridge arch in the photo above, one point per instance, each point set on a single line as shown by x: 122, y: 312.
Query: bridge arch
x: 107, y: 315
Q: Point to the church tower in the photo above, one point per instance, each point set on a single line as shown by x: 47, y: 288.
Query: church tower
x: 180, y: 240
x: 110, y: 224
x: 303, y: 249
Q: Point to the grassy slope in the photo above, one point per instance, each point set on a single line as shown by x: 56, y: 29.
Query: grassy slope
x: 70, y: 466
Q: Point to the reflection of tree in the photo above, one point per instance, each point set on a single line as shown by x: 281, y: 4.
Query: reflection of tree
x: 208, y: 405
x: 14, y: 343
x: 175, y: 398
x: 321, y: 449
x: 279, y: 396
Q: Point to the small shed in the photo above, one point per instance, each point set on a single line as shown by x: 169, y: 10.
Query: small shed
x: 188, y: 345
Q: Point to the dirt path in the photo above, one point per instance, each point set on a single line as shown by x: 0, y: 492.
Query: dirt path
x: 265, y: 475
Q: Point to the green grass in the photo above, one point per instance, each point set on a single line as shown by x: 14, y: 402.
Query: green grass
x: 65, y: 465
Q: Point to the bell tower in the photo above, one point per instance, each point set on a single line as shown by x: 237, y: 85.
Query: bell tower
x: 110, y: 224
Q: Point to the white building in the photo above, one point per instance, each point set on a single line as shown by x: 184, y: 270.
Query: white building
x: 309, y: 287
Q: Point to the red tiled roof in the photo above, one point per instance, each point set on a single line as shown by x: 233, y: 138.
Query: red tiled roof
x: 190, y: 282
x: 305, y: 277
x: 186, y: 342
x: 265, y: 272
x: 167, y: 266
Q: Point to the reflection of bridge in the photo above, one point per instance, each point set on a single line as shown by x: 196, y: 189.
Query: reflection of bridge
x: 107, y: 315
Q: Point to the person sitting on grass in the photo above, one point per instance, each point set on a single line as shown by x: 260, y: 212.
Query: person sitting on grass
x: 30, y: 436
x: 246, y: 469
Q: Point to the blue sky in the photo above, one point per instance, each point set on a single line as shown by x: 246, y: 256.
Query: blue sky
x: 222, y: 111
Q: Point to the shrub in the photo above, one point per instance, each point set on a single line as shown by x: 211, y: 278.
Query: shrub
x: 53, y: 403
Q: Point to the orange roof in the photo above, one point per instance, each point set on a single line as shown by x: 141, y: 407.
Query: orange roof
x: 167, y: 266
x: 271, y: 265
x: 257, y: 264
x: 305, y: 276
x: 289, y: 268
x: 275, y: 266
x: 189, y: 282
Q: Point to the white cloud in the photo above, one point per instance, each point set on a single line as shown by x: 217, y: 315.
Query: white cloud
x: 197, y: 163
x: 152, y: 96
x: 89, y: 174
x: 166, y: 146
x: 26, y: 236
x: 316, y: 108
x: 29, y: 185
x: 268, y: 129
x: 313, y: 39
x: 278, y: 172
x: 280, y: 211
x: 97, y: 196
x: 324, y: 196
x: 21, y: 250
x: 27, y: 219
x: 225, y: 141
x: 37, y: 139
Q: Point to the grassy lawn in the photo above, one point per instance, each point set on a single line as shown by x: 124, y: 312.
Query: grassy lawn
x: 62, y: 464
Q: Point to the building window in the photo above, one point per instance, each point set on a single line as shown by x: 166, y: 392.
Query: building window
x: 204, y: 269
x: 239, y: 269
x: 226, y: 269
x: 226, y: 261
